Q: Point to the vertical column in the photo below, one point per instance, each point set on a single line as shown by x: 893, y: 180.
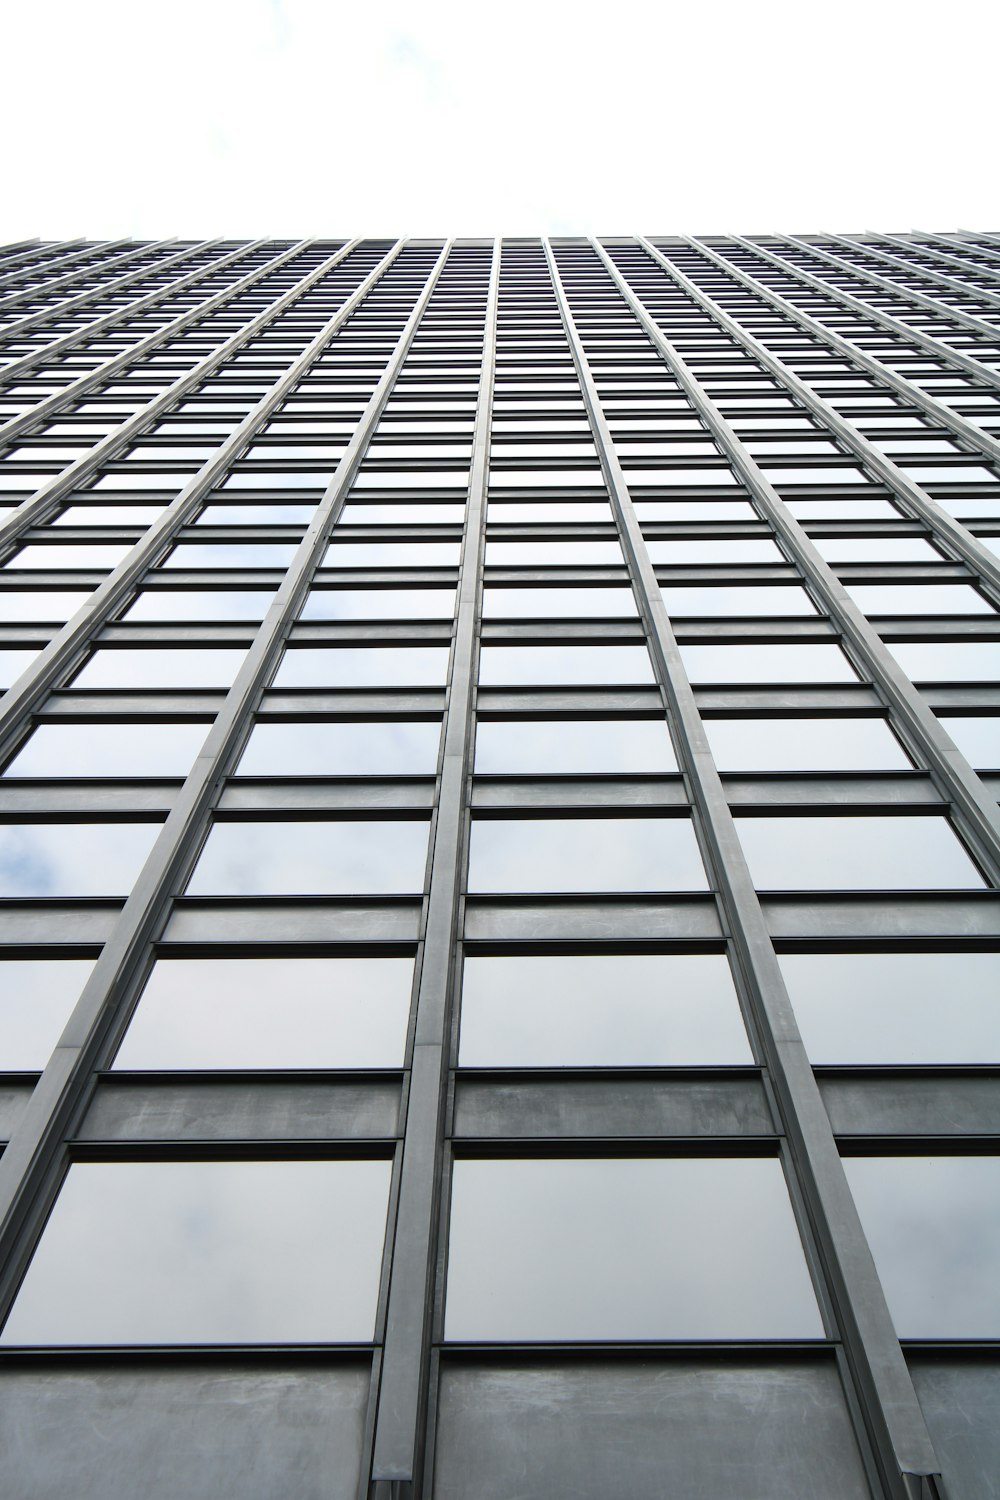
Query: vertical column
x: 896, y: 1426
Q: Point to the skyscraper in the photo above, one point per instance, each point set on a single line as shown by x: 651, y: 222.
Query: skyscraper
x: 499, y: 862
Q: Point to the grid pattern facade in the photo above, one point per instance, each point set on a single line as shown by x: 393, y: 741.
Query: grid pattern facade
x: 499, y: 852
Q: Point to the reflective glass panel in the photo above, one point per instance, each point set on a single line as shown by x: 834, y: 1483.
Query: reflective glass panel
x: 52, y: 604
x: 767, y: 664
x: 36, y: 999
x: 361, y: 666
x: 805, y: 745
x: 408, y: 554
x: 44, y: 860
x: 750, y: 601
x: 565, y: 603
x: 379, y: 604
x: 323, y: 858
x: 918, y: 599
x: 85, y: 555
x: 875, y: 549
x: 559, y: 747
x: 12, y: 664
x: 948, y: 661
x: 553, y: 554
x: 600, y: 1010
x: 231, y: 555
x: 173, y: 667
x: 585, y: 854
x: 525, y: 665
x: 271, y: 1013
x: 977, y: 738
x: 708, y: 551
x: 856, y: 853
x: 624, y: 1248
x: 386, y: 747
x: 896, y: 1008
x: 933, y: 1224
x: 110, y: 749
x: 199, y: 604
x: 207, y: 1252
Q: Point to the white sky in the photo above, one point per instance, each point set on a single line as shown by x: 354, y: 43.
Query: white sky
x: 299, y: 117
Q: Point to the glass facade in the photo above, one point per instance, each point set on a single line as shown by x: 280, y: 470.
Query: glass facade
x: 499, y: 864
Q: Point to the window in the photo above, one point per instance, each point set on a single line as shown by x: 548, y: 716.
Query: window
x: 948, y: 661
x: 754, y: 600
x: 585, y: 854
x: 379, y: 604
x: 207, y: 1252
x: 624, y: 1248
x: 174, y: 668
x: 37, y: 997
x: 361, y: 666
x: 325, y: 858
x: 977, y: 738
x: 896, y: 1008
x: 384, y: 747
x: 270, y: 1013
x: 57, y: 605
x: 856, y: 853
x: 525, y: 665
x: 786, y: 744
x: 199, y: 604
x: 767, y: 664
x: 918, y: 599
x: 933, y: 1224
x: 109, y: 749
x: 600, y: 1010
x: 561, y: 603
x: 560, y: 747
x: 47, y: 860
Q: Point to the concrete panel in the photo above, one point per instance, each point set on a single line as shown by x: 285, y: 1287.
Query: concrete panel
x: 885, y: 1104
x: 645, y: 1429
x: 292, y: 922
x: 594, y: 921
x: 145, y: 1110
x: 960, y: 1400
x: 871, y: 915
x: 522, y: 1106
x: 182, y: 1432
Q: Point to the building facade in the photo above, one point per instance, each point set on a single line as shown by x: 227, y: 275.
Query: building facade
x: 499, y: 859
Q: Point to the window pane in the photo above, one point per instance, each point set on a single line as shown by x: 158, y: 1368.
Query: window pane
x: 559, y: 747
x: 167, y: 668
x: 804, y: 745
x: 625, y: 1249
x: 271, y: 1013
x: 409, y: 554
x: 379, y: 604
x: 111, y: 749
x: 199, y: 604
x: 178, y: 1252
x: 767, y: 664
x: 389, y: 747
x: 526, y: 665
x: 918, y: 599
x: 45, y: 860
x: 349, y: 666
x: 87, y: 556
x: 601, y: 1010
x: 896, y: 1008
x: 933, y: 1224
x: 585, y: 854
x: 856, y: 853
x: 562, y: 603
x: 977, y: 738
x: 875, y: 549
x: 36, y: 999
x: 51, y: 604
x: 948, y: 661
x: 312, y: 859
x: 12, y: 664
x: 709, y: 552
x: 231, y: 555
x: 754, y: 600
x: 552, y: 554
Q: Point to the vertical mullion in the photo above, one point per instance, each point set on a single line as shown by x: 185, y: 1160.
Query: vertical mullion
x: 35, y: 1159
x: 50, y: 406
x: 72, y: 640
x: 914, y: 394
x: 942, y: 525
x: 897, y: 1426
x: 36, y: 507
x: 976, y: 811
x: 402, y: 1394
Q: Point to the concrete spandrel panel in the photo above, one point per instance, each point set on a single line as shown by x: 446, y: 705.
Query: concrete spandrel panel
x: 593, y: 1430
x: 543, y: 1250
x: 270, y: 1013
x: 584, y: 854
x: 203, y: 1252
x: 933, y: 1224
x: 600, y: 1010
x: 960, y: 1400
x: 183, y: 1430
